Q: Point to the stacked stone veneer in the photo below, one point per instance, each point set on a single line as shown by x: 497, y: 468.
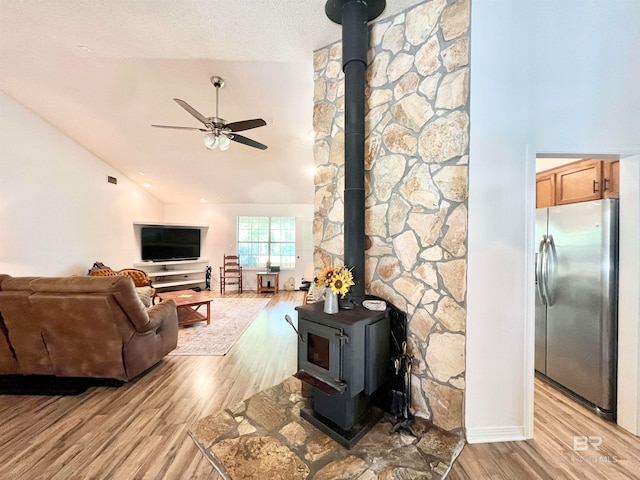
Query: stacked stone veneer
x: 416, y: 176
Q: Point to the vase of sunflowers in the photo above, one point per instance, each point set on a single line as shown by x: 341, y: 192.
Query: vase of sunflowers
x: 337, y: 281
x: 330, y: 301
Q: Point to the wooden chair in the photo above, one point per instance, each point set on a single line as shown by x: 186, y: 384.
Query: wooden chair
x: 230, y: 273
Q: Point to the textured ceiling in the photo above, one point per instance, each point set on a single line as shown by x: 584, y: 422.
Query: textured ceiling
x: 102, y: 71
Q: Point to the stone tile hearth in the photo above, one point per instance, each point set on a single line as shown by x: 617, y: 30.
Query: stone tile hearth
x: 265, y: 437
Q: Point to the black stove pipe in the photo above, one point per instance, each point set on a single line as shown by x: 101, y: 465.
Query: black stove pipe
x: 354, y: 16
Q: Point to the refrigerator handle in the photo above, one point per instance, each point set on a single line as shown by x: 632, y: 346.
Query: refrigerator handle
x: 548, y: 245
x: 539, y: 257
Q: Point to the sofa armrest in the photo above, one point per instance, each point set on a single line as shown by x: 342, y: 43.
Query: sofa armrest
x: 161, y: 313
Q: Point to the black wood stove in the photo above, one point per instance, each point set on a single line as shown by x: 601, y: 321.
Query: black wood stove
x: 345, y: 357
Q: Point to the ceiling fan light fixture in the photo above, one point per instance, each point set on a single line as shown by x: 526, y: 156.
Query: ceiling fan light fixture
x: 211, y: 141
x: 224, y: 142
x: 219, y: 133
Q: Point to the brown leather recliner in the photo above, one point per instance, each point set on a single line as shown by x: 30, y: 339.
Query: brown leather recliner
x: 81, y: 327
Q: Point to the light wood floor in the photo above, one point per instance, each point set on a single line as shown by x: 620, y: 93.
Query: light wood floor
x: 550, y: 455
x: 139, y: 430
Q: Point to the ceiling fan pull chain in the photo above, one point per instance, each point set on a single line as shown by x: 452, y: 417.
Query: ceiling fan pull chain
x: 217, y: 90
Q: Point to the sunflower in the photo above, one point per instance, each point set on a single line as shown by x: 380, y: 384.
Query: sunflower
x: 342, y: 280
x: 339, y: 279
x: 324, y: 277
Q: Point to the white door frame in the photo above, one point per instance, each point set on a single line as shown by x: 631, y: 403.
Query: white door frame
x: 629, y: 303
x: 304, y: 246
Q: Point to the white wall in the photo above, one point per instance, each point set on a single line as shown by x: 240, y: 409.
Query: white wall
x: 58, y: 214
x: 547, y: 77
x: 629, y: 311
x: 221, y: 235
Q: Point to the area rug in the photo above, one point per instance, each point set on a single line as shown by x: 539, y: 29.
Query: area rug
x: 230, y: 317
x: 264, y: 437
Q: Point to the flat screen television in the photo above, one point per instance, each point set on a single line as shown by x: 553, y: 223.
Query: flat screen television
x: 170, y: 243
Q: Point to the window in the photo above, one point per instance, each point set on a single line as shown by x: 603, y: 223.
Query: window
x: 267, y: 239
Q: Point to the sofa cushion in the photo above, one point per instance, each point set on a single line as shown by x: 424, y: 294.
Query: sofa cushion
x: 144, y: 294
x: 24, y: 332
x: 120, y: 286
x: 78, y: 284
x: 17, y: 283
x: 84, y: 333
x: 8, y: 360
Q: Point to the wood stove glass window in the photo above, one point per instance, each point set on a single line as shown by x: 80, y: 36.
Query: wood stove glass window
x: 318, y: 351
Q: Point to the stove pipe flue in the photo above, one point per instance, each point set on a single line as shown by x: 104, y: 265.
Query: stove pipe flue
x: 354, y: 16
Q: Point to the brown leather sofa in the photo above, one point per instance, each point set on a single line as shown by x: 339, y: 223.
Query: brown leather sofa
x: 81, y: 327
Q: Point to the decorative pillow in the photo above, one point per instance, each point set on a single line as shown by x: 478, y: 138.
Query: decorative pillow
x: 140, y: 278
x: 102, y: 272
x: 144, y: 294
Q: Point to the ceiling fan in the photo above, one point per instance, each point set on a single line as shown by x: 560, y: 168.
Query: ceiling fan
x: 219, y: 134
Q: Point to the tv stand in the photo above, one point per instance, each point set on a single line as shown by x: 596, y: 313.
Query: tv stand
x: 176, y: 274
x: 164, y: 262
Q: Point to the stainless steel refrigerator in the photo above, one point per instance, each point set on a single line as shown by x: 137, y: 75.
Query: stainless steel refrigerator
x: 577, y: 298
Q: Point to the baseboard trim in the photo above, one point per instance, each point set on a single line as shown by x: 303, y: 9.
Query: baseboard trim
x: 495, y: 434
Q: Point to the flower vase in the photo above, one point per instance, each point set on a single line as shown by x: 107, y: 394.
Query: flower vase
x: 330, y: 301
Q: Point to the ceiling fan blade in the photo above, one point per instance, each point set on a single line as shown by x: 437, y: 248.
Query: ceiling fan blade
x: 192, y: 111
x: 181, y: 128
x: 247, y: 141
x: 246, y: 125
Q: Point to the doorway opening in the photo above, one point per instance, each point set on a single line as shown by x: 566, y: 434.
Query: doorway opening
x: 576, y: 280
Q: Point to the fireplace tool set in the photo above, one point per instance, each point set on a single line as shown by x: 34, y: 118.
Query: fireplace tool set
x: 401, y: 392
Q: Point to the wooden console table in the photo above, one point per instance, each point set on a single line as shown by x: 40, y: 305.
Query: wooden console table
x: 189, y: 302
x: 264, y: 289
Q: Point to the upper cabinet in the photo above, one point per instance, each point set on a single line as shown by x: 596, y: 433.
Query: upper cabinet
x: 545, y: 190
x: 611, y: 178
x: 579, y: 181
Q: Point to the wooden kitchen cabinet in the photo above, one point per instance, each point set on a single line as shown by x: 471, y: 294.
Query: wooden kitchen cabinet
x: 580, y: 181
x: 545, y: 190
x: 611, y: 178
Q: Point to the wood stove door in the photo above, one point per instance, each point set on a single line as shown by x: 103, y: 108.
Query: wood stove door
x: 320, y: 352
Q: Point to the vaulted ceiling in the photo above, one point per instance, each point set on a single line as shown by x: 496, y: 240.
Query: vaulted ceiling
x: 103, y: 71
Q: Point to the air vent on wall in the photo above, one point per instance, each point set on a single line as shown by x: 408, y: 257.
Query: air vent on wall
x: 111, y: 179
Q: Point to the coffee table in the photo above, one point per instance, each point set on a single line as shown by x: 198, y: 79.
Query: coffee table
x: 189, y: 302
